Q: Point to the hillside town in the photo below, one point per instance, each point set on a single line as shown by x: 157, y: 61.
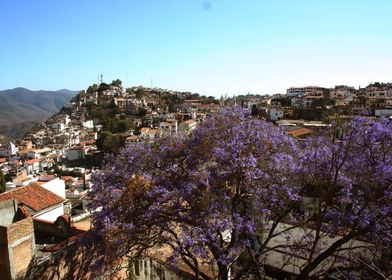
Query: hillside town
x: 48, y: 174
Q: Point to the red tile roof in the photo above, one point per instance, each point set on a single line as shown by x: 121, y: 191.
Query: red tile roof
x: 2, y: 160
x: 300, y: 132
x: 31, y: 161
x: 34, y: 196
x: 89, y: 142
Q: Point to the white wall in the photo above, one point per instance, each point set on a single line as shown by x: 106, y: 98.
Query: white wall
x: 88, y: 124
x: 275, y: 114
x: 51, y: 215
x: 56, y: 186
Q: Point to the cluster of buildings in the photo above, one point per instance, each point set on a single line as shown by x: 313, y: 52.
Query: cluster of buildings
x: 374, y: 99
x: 160, y: 117
x: 45, y: 198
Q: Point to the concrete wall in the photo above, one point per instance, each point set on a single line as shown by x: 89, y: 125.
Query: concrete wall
x: 8, y: 210
x: 56, y: 186
x: 52, y: 214
x: 383, y: 112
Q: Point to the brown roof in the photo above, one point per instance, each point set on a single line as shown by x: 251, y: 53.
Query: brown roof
x: 34, y: 196
x: 300, y: 132
x: 88, y: 142
x: 47, y: 177
x: 66, y: 178
x: 144, y: 129
x: 32, y: 161
x: 189, y: 122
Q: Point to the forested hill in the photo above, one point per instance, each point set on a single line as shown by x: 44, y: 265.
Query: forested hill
x: 22, y: 106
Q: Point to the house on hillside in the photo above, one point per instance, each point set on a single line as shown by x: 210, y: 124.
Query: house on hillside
x: 8, y: 150
x: 76, y: 153
x: 39, y: 202
x: 275, y: 113
x: 188, y: 126
x: 149, y: 133
x: 169, y: 127
x: 32, y: 166
x: 39, y: 153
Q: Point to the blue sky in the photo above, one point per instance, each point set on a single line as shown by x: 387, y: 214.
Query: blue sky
x: 212, y: 47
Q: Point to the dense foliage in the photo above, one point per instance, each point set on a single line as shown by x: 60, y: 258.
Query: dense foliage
x: 239, y: 196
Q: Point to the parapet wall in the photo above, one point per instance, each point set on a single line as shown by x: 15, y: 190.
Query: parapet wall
x: 17, y: 247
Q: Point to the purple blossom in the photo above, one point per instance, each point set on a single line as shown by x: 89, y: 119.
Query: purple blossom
x: 219, y: 190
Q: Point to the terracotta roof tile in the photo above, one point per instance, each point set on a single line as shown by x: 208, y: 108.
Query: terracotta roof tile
x: 300, y: 132
x: 34, y: 196
x: 32, y: 161
x: 89, y: 142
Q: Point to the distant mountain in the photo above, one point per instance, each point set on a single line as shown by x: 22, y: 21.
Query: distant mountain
x: 21, y: 105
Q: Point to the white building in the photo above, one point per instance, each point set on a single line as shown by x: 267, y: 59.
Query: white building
x: 8, y: 150
x: 38, y: 153
x: 32, y: 166
x: 188, y: 126
x: 275, y: 114
x: 88, y: 124
x: 169, y: 127
x: 37, y: 201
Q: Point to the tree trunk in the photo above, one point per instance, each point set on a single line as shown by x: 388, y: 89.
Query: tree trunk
x: 223, y: 272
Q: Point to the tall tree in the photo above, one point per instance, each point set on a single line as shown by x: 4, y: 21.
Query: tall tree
x: 205, y: 196
x: 108, y: 143
x: 117, y: 83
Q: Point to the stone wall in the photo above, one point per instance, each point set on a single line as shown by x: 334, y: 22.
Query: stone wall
x: 17, y: 247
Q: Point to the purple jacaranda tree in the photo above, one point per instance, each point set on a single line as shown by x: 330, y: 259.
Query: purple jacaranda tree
x: 206, y: 196
x: 347, y: 170
x: 239, y: 195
